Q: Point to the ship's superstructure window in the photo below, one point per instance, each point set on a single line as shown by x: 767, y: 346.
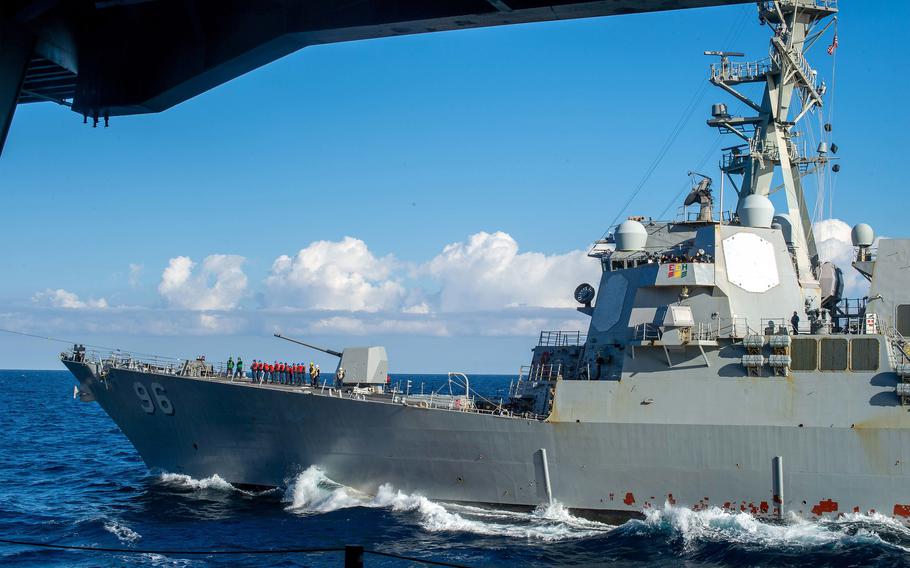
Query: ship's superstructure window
x: 864, y: 354
x: 833, y: 355
x: 903, y: 319
x: 804, y: 354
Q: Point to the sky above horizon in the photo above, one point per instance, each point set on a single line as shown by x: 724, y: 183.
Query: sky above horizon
x: 433, y: 193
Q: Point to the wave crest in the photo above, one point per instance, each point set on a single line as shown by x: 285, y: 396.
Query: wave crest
x: 715, y: 525
x: 313, y: 492
x: 123, y: 533
x: 182, y: 481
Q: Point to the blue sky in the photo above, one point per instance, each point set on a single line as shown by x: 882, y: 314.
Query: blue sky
x: 532, y: 135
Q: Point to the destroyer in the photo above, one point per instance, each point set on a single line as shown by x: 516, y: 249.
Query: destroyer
x: 721, y: 365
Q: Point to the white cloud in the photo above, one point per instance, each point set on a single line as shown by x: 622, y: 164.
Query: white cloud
x: 834, y: 244
x: 61, y: 298
x: 219, y: 284
x: 342, y: 275
x: 135, y: 273
x: 487, y: 272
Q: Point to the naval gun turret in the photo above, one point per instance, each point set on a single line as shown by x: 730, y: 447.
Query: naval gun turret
x: 367, y: 366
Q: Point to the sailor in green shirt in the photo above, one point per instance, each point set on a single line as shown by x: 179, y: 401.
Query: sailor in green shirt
x: 239, y: 367
x: 230, y: 367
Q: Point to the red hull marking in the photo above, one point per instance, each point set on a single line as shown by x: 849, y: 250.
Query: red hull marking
x: 630, y: 499
x: 826, y: 506
x: 670, y: 499
x: 763, y: 507
x: 902, y: 510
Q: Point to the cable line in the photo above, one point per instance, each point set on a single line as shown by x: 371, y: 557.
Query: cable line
x: 218, y: 552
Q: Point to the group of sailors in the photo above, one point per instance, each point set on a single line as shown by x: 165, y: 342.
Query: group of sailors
x: 665, y: 258
x: 232, y: 371
x: 292, y: 374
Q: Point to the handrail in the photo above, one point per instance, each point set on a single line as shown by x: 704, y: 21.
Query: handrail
x: 561, y: 338
x: 120, y: 359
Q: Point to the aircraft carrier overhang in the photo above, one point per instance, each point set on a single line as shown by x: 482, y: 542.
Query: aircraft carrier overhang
x: 117, y: 57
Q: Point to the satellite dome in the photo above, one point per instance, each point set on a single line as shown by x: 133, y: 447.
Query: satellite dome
x: 756, y: 211
x: 630, y: 235
x: 862, y: 235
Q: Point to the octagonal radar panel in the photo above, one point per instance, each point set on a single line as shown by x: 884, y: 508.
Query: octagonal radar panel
x: 751, y: 264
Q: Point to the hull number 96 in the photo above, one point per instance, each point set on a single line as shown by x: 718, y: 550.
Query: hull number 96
x: 153, y: 396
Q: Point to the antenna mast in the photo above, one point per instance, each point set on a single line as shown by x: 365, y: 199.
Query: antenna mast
x: 769, y: 135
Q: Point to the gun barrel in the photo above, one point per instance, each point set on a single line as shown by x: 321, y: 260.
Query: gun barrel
x: 317, y: 348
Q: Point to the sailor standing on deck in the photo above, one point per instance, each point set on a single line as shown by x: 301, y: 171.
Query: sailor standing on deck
x: 339, y: 377
x: 239, y: 372
x: 230, y: 368
x: 794, y: 321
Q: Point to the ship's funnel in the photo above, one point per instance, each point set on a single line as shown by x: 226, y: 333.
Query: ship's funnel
x: 630, y: 236
x: 755, y: 211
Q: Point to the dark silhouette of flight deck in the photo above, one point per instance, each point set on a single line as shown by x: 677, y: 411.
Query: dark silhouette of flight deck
x: 117, y: 57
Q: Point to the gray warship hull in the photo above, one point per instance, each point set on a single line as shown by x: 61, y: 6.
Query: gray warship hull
x: 698, y: 454
x: 722, y: 365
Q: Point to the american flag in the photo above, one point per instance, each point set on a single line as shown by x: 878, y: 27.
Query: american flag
x: 833, y: 46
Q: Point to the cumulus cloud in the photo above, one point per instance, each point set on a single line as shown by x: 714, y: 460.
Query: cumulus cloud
x: 834, y: 244
x: 487, y: 272
x: 218, y: 284
x: 61, y: 298
x: 342, y: 275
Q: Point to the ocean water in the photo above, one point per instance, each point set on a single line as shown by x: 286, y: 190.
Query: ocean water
x: 68, y: 476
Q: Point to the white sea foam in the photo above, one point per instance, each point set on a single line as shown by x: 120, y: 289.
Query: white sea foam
x: 717, y: 525
x: 313, y: 492
x: 186, y: 482
x: 122, y: 532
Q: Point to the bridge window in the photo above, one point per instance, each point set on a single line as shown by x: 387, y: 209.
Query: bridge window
x: 803, y: 354
x: 833, y: 355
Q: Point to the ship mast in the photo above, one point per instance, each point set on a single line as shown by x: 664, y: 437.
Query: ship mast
x: 768, y: 135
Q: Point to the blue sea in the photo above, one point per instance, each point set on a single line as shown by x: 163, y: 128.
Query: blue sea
x: 68, y: 476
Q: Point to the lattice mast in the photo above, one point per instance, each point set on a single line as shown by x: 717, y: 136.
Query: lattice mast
x: 792, y: 88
